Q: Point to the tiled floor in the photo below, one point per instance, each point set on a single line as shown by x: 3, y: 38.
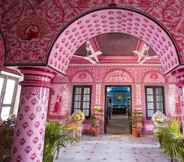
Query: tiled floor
x: 113, y: 148
x: 119, y: 124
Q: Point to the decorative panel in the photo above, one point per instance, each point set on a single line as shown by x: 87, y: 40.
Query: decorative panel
x: 171, y: 79
x: 154, y: 77
x: 117, y: 76
x: 82, y: 76
x: 60, y: 99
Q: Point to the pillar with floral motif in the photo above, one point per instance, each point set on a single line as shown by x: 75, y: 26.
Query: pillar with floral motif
x: 179, y: 74
x: 28, y: 140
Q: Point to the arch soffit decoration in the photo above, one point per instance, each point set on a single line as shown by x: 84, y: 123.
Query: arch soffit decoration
x: 153, y: 76
x: 82, y: 76
x: 118, y: 75
x: 113, y: 20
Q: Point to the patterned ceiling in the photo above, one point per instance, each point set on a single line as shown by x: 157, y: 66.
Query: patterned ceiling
x: 115, y: 44
x: 32, y: 29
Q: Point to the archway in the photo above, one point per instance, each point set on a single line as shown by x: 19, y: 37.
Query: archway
x: 108, y: 20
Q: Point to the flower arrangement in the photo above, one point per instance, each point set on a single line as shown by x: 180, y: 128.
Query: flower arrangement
x: 74, y: 125
x: 78, y: 117
x: 159, y: 119
x: 97, y: 109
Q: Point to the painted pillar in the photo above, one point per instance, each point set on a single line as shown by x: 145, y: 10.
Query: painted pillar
x: 179, y: 74
x: 171, y: 104
x: 138, y: 98
x: 98, y: 104
x: 29, y: 133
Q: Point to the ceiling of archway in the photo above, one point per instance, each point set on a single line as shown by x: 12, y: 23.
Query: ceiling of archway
x: 114, y: 44
x: 30, y: 27
x: 108, y: 21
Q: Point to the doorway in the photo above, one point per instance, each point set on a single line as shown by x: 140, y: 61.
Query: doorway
x: 117, y: 109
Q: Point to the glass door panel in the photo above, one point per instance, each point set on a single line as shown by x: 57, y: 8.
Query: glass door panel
x: 82, y: 99
x: 1, y: 85
x: 5, y: 112
x: 10, y: 88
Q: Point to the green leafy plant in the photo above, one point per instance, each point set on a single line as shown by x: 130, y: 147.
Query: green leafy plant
x: 93, y: 129
x: 6, y: 132
x: 171, y: 140
x: 93, y: 121
x: 6, y: 143
x: 97, y: 109
x: 55, y: 138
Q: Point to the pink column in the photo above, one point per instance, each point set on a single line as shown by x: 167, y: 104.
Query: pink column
x: 29, y: 133
x: 179, y: 73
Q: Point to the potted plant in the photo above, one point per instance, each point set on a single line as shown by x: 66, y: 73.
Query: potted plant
x: 94, y: 129
x: 6, y: 132
x: 55, y: 138
x: 171, y: 140
x: 74, y: 125
x: 91, y: 127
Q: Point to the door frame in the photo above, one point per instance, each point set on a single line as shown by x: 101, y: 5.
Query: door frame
x: 105, y: 105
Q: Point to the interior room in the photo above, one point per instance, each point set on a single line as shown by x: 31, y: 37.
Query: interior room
x: 118, y: 110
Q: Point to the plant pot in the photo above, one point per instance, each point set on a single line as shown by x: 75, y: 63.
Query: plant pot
x: 136, y: 132
x: 94, y: 131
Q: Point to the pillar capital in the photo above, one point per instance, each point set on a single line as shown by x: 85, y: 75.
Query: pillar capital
x: 179, y: 74
x: 36, y: 77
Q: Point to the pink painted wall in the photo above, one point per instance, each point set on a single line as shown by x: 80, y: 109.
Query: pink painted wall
x: 182, y: 106
x: 100, y: 75
x: 1, y: 51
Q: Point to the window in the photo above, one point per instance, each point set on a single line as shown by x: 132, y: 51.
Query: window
x: 82, y: 100
x: 154, y: 100
x: 8, y: 88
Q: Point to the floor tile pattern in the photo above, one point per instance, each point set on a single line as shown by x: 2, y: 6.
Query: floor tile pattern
x: 113, y: 148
